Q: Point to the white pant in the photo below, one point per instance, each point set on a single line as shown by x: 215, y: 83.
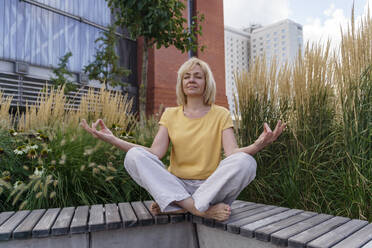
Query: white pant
x: 232, y: 175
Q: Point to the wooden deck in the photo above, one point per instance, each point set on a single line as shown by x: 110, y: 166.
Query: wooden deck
x: 271, y: 225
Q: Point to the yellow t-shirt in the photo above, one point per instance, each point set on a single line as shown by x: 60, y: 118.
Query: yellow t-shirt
x: 196, y: 143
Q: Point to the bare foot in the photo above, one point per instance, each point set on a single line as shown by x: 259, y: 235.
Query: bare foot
x: 155, y: 210
x: 219, y: 212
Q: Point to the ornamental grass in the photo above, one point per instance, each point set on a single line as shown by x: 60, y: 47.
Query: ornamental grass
x: 48, y: 161
x: 322, y: 162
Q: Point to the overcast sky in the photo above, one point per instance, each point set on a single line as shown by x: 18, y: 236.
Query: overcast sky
x: 320, y: 18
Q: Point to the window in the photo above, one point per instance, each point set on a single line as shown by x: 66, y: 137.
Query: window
x: 283, y: 30
x: 283, y: 49
x: 260, y: 38
x: 275, y: 33
x: 254, y: 40
x: 283, y: 36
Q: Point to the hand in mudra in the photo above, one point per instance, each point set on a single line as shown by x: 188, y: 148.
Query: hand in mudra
x: 267, y: 136
x: 103, y: 134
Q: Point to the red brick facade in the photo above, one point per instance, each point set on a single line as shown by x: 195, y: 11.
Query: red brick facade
x: 164, y: 62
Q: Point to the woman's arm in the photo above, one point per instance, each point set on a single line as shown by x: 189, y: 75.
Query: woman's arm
x: 159, y: 146
x: 267, y: 137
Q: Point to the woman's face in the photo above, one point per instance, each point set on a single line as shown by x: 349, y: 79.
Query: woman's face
x: 193, y: 82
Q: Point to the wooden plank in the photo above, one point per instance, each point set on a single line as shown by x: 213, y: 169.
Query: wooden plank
x: 79, y: 223
x: 368, y: 245
x: 300, y: 240
x: 24, y: 230
x: 96, y: 218
x: 62, y: 224
x: 281, y: 237
x: 234, y: 227
x: 264, y: 233
x: 209, y: 222
x: 249, y: 229
x: 112, y: 215
x: 357, y: 239
x: 7, y: 228
x: 236, y: 207
x: 239, y: 213
x: 188, y: 217
x: 143, y: 215
x: 159, y: 219
x: 176, y: 218
x: 5, y: 215
x: 245, y: 208
x: 42, y: 228
x: 197, y: 219
x: 239, y: 204
x: 127, y: 215
x: 338, y: 234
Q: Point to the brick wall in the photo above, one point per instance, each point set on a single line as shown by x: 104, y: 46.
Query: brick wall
x: 164, y: 62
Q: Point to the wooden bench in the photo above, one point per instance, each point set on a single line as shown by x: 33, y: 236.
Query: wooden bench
x: 132, y: 225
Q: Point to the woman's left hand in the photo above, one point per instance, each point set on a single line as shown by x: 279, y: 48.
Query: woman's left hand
x: 267, y: 136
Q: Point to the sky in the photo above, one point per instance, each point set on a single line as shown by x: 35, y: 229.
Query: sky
x: 321, y: 19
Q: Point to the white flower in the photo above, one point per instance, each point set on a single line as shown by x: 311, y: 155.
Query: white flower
x: 17, y: 184
x: 34, y: 146
x: 88, y: 152
x: 18, y: 152
x: 38, y: 172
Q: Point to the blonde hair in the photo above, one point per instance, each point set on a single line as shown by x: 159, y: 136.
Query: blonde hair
x: 210, y: 84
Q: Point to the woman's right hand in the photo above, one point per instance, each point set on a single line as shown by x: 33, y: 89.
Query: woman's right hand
x: 104, y: 134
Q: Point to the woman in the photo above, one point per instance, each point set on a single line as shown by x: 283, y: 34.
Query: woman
x: 196, y: 180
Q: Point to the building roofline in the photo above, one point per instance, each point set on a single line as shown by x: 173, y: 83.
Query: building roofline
x: 237, y: 31
x: 275, y: 24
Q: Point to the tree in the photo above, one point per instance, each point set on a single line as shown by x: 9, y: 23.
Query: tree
x: 60, y: 72
x: 160, y: 23
x: 105, y: 67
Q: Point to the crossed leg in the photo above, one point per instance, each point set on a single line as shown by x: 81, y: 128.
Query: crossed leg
x: 219, y: 212
x: 155, y: 210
